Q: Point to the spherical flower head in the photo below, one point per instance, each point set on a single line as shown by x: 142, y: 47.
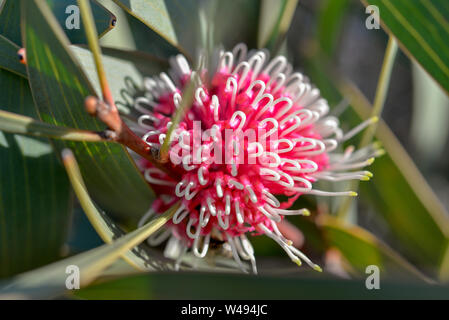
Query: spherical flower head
x: 253, y: 131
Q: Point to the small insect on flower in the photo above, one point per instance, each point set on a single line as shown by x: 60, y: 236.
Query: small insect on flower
x: 254, y: 131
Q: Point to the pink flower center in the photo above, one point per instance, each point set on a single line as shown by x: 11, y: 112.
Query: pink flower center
x: 244, y: 141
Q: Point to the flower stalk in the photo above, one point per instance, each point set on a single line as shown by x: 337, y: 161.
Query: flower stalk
x: 92, y: 36
x: 382, y: 89
x: 379, y: 102
x: 185, y: 105
x: 15, y: 123
x: 119, y: 132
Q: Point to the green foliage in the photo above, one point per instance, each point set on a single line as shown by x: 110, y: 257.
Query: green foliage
x: 50, y: 281
x: 104, y: 20
x: 8, y: 57
x: 190, y: 24
x: 304, y: 287
x: 274, y: 21
x: 330, y: 24
x: 363, y: 249
x: 59, y: 87
x: 398, y: 190
x: 176, y: 22
x: 422, y: 28
x: 35, y: 200
x: 124, y: 70
x: 10, y: 17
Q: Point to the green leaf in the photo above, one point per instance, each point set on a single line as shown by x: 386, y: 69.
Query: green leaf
x: 190, y: 25
x: 104, y: 19
x: 401, y: 195
x: 274, y: 21
x: 188, y: 95
x: 125, y: 71
x: 234, y: 22
x: 412, y: 210
x: 366, y: 138
x: 35, y: 201
x: 8, y: 57
x: 59, y: 88
x: 422, y: 29
x: 15, y: 123
x: 147, y: 40
x: 141, y: 257
x: 177, y: 22
x: 50, y: 281
x: 330, y: 23
x: 10, y: 20
x: 192, y: 286
x: 362, y: 249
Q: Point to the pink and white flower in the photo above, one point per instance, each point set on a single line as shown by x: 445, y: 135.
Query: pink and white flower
x: 256, y: 130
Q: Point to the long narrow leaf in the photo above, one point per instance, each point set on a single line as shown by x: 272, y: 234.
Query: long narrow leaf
x: 421, y: 27
x: 66, y: 14
x: 50, y: 281
x: 141, y: 257
x: 35, y: 200
x: 330, y: 22
x: 230, y: 287
x: 125, y: 71
x: 104, y: 19
x: 9, y: 59
x: 191, y: 25
x: 177, y: 22
x: 363, y: 249
x: 15, y: 123
x: 398, y: 191
x: 59, y: 89
x: 10, y: 21
x: 274, y: 21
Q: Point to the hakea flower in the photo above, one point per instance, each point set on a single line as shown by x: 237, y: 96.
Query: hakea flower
x: 254, y: 131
